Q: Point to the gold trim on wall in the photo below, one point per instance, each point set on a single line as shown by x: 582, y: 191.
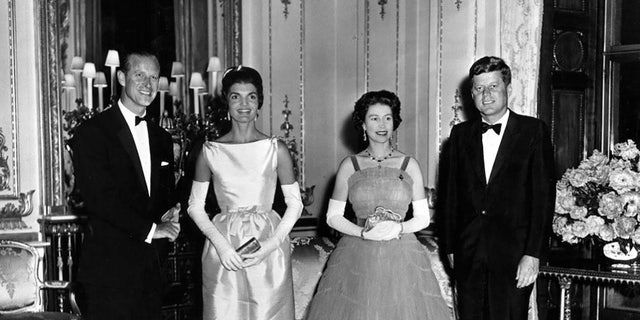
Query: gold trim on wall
x: 302, y: 78
x: 10, y: 189
x: 50, y: 113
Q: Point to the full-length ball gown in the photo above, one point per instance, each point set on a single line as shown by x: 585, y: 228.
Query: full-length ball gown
x: 244, y: 180
x: 376, y: 280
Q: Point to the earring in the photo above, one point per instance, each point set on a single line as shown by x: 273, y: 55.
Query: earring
x: 228, y: 117
x: 364, y: 135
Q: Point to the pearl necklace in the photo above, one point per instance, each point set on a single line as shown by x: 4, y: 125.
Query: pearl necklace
x: 379, y: 161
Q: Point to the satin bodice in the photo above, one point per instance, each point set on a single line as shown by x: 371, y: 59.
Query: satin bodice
x: 244, y: 175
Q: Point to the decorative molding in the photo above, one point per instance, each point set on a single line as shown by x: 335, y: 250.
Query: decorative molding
x: 53, y: 193
x: 302, y: 104
x: 5, y: 173
x: 285, y: 11
x: 366, y: 45
x: 583, y: 6
x: 64, y: 28
x: 269, y: 14
x: 9, y: 187
x: 458, y: 3
x: 397, y: 50
x: 456, y: 108
x: 11, y: 215
x: 568, y: 50
x: 439, y: 75
x: 233, y: 28
x: 382, y: 3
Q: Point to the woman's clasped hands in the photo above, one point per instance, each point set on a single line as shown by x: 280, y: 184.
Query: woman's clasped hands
x: 383, y: 231
x: 233, y: 261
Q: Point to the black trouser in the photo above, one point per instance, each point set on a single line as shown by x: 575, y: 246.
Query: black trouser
x: 484, y: 295
x: 108, y: 303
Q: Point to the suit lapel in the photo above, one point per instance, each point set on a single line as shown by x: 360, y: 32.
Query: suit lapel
x: 126, y: 139
x: 474, y: 149
x: 510, y: 137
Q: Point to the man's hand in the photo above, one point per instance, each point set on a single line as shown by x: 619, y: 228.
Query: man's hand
x: 527, y: 271
x: 173, y: 214
x: 168, y: 229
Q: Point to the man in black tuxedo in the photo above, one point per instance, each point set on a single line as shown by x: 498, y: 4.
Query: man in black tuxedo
x: 125, y: 174
x: 496, y: 200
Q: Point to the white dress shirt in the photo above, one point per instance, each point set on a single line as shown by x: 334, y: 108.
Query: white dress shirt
x: 490, y: 144
x: 141, y: 138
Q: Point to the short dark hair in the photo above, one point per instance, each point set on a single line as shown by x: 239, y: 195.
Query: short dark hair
x: 374, y: 97
x: 242, y: 74
x: 126, y: 66
x: 490, y: 64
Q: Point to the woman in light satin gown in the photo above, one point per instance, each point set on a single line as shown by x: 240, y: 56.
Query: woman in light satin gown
x: 244, y: 166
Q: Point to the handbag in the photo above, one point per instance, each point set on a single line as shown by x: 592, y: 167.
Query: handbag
x: 380, y: 214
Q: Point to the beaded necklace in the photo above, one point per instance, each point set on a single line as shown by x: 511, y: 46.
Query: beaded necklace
x: 379, y: 161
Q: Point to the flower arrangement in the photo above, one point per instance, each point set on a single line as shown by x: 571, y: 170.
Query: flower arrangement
x: 600, y: 200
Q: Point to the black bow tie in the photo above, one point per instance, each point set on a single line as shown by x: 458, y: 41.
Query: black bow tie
x: 496, y: 127
x: 139, y: 119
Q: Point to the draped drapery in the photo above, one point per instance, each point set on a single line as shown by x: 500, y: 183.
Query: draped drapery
x: 520, y: 36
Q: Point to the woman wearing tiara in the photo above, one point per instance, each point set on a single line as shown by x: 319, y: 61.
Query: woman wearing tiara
x: 244, y: 166
x: 378, y: 270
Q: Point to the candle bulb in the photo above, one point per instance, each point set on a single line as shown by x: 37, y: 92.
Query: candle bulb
x: 173, y: 92
x: 212, y: 69
x: 163, y: 87
x: 196, y: 84
x: 112, y: 61
x: 70, y: 87
x: 89, y: 72
x: 203, y: 107
x: 77, y: 64
x: 101, y: 83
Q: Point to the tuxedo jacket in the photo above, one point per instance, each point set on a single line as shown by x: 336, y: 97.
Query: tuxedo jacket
x: 499, y: 221
x: 120, y: 211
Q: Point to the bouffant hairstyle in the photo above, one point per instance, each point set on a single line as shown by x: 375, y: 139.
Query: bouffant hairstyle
x: 242, y: 74
x: 374, y: 97
x: 490, y: 64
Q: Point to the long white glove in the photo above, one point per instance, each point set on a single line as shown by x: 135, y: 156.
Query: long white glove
x: 229, y: 258
x: 421, y: 217
x: 336, y: 219
x: 385, y: 230
x: 293, y: 200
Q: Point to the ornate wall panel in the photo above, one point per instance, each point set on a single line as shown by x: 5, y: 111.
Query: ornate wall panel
x: 8, y: 99
x: 458, y: 48
x: 18, y: 122
x: 286, y: 78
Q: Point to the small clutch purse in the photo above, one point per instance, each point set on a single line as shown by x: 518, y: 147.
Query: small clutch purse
x: 378, y: 215
x: 248, y: 247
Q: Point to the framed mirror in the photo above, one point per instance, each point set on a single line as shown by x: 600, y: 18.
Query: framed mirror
x: 188, y: 31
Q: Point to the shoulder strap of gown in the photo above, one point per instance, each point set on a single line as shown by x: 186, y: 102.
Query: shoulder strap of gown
x: 405, y: 163
x: 355, y: 163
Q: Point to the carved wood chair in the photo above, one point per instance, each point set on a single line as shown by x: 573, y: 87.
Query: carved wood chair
x: 21, y: 295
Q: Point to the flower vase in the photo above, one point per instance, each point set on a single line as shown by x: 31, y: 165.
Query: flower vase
x: 619, y: 259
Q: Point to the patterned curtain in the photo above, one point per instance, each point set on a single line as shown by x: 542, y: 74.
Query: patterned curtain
x: 520, y: 34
